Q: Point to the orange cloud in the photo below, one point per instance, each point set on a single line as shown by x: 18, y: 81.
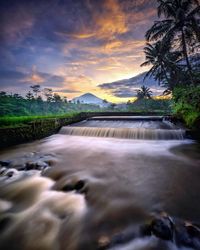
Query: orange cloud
x: 112, y: 21
x: 83, y: 36
x: 109, y: 21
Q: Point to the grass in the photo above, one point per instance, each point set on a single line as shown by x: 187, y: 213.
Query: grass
x: 15, y: 121
x: 18, y: 121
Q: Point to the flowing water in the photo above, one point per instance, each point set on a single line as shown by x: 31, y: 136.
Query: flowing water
x: 96, y: 179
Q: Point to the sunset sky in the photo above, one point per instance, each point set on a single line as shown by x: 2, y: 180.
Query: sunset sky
x: 72, y: 46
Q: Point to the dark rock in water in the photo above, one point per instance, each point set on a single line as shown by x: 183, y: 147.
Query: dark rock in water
x: 3, y: 170
x: 78, y: 186
x: 162, y: 228
x: 187, y: 236
x: 145, y: 230
x: 125, y: 236
x: 4, y: 222
x: 10, y: 173
x: 68, y: 188
x: 5, y: 163
x: 21, y: 167
x: 39, y: 165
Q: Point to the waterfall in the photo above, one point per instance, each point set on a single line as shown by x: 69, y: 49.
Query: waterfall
x: 125, y: 133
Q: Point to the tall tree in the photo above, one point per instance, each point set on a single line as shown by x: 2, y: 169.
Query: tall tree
x: 36, y: 90
x: 29, y: 96
x: 181, y: 26
x: 57, y: 98
x: 163, y: 62
x: 48, y: 93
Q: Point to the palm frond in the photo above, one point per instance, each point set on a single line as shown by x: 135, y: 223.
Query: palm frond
x: 158, y: 29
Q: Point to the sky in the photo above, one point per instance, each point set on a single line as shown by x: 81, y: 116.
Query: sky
x: 72, y: 46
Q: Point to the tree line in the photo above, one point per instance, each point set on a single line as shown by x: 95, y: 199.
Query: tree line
x: 39, y: 102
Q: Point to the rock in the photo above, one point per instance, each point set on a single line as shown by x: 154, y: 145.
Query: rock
x: 162, y: 227
x: 39, y: 165
x: 68, y: 188
x: 187, y: 235
x: 3, y: 170
x: 10, y: 173
x: 4, y: 223
x: 145, y: 230
x: 5, y: 163
x: 125, y: 236
x: 78, y: 186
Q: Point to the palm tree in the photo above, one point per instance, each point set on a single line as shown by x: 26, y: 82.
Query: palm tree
x: 144, y: 93
x: 181, y: 25
x: 163, y: 61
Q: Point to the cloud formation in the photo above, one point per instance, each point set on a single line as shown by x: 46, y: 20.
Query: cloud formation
x: 72, y: 45
x: 128, y: 87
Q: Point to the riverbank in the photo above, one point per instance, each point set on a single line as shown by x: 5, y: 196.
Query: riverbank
x: 26, y: 130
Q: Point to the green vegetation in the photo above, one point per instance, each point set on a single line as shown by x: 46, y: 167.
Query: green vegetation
x: 16, y: 110
x: 187, y: 104
x: 16, y: 105
x: 10, y: 121
x: 161, y: 107
x: 172, y: 50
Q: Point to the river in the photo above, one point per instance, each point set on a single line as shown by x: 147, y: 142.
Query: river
x: 76, y: 189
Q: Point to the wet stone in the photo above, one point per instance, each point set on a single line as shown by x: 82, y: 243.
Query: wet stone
x: 78, y: 186
x: 68, y: 188
x: 162, y: 228
x: 39, y: 165
x: 5, y: 163
x: 10, y: 173
x: 145, y: 230
x: 4, y: 222
x: 187, y: 236
x: 2, y: 171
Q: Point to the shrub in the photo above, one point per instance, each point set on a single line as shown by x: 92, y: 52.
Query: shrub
x: 187, y: 104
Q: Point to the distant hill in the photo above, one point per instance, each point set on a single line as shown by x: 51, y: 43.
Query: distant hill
x: 129, y: 87
x: 89, y: 98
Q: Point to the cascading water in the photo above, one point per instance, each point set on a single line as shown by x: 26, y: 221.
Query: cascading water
x: 145, y: 128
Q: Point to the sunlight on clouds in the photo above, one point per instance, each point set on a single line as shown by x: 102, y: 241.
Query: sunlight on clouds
x: 109, y: 20
x: 83, y: 36
x: 77, y: 45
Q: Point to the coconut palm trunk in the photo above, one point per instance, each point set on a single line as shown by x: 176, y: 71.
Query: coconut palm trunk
x: 186, y: 55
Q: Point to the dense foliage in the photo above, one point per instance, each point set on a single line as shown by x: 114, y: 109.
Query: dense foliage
x: 151, y: 105
x: 187, y: 104
x: 172, y: 50
x: 15, y: 105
